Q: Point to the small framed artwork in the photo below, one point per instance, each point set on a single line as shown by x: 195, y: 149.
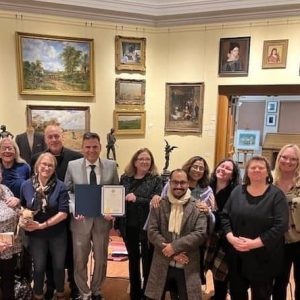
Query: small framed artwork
x: 247, y: 139
x: 271, y: 120
x: 275, y: 54
x: 184, y: 107
x: 272, y: 106
x: 130, y: 92
x: 130, y: 53
x: 130, y: 122
x: 234, y: 56
x: 75, y: 121
x: 55, y: 65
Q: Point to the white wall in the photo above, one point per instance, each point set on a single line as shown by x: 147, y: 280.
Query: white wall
x: 183, y: 54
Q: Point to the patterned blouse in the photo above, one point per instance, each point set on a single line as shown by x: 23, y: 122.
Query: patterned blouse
x: 9, y: 218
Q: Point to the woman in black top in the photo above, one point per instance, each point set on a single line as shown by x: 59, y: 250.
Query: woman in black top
x: 141, y: 182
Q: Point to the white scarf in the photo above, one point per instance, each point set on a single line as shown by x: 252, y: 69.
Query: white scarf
x: 177, y: 210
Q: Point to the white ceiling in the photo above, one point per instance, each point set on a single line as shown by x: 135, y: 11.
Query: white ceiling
x: 159, y: 12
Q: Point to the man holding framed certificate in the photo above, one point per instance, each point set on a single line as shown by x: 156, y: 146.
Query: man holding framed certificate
x: 90, y: 231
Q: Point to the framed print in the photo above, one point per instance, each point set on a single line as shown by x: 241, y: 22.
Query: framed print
x: 271, y: 120
x: 53, y: 65
x: 75, y: 121
x: 247, y: 139
x: 272, y: 106
x: 130, y: 53
x: 130, y: 122
x: 234, y: 56
x: 184, y: 107
x: 275, y: 54
x: 113, y: 200
x: 129, y: 91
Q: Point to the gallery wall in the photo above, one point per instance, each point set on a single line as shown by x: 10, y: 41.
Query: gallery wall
x: 175, y: 55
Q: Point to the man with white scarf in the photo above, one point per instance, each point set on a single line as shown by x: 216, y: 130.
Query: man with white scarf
x: 176, y: 229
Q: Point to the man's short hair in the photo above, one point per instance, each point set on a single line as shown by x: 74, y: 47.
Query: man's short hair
x: 179, y: 171
x: 90, y: 135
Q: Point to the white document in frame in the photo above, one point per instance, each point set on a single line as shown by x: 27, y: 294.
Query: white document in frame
x: 113, y: 200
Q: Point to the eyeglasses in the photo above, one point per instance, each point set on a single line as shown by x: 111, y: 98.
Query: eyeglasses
x: 50, y: 166
x: 198, y: 168
x: 287, y: 158
x: 144, y: 159
x: 175, y: 182
x: 7, y: 148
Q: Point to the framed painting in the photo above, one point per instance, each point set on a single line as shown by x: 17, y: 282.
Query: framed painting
x: 184, y: 107
x: 130, y: 122
x: 130, y: 53
x: 75, y: 121
x: 247, y: 139
x: 234, y: 56
x: 129, y: 91
x: 272, y: 106
x: 275, y: 54
x: 53, y: 65
x: 271, y: 120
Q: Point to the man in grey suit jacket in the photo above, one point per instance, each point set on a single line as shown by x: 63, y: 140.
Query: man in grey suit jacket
x: 90, y: 233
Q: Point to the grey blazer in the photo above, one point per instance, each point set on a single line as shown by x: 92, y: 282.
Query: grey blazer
x: 76, y: 174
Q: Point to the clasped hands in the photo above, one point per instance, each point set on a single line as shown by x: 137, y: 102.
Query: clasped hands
x: 168, y: 251
x: 242, y: 244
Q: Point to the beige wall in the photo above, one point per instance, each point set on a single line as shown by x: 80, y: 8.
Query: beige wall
x: 183, y: 54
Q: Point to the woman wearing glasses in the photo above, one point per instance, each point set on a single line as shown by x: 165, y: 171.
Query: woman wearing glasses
x: 141, y: 182
x: 287, y: 178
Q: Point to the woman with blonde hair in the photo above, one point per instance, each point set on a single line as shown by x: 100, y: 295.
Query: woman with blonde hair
x: 287, y: 178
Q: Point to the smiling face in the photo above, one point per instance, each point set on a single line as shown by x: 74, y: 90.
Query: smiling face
x: 143, y: 163
x: 91, y: 149
x: 288, y: 160
x: 178, y: 184
x: 196, y: 171
x: 257, y: 171
x: 7, y: 153
x: 224, y: 171
x: 45, y: 167
x: 54, y: 139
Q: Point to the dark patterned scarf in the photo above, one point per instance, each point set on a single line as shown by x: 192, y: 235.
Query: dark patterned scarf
x: 41, y: 195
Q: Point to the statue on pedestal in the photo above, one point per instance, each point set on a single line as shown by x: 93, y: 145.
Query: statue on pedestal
x: 111, y: 140
x: 166, y: 172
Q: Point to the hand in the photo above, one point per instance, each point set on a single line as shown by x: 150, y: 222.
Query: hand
x: 108, y: 217
x: 181, y: 258
x: 238, y: 243
x: 33, y: 225
x: 79, y: 217
x: 155, y: 201
x: 4, y: 246
x: 168, y: 250
x: 130, y: 197
x: 202, y: 206
x: 12, y: 202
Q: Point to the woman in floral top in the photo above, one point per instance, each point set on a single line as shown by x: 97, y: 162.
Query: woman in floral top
x: 8, y: 223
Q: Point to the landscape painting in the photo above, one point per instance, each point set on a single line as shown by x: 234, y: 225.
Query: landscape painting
x: 129, y: 123
x: 75, y: 121
x: 52, y: 65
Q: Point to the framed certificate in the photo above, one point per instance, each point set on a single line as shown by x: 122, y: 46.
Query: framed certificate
x: 113, y: 200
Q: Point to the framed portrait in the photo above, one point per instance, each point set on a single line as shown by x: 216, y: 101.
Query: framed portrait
x: 275, y: 54
x: 130, y: 53
x: 130, y: 91
x: 53, y: 65
x: 234, y: 56
x: 247, y: 139
x: 271, y: 120
x: 272, y: 106
x: 75, y: 121
x: 184, y: 107
x: 129, y: 122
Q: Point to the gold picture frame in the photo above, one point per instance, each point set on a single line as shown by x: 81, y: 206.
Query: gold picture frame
x: 130, y: 91
x: 275, y: 54
x: 130, y: 53
x: 129, y: 122
x: 55, y: 65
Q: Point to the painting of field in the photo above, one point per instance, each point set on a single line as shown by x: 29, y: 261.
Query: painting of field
x: 129, y: 122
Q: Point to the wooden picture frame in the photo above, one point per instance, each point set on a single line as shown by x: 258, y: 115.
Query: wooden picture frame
x: 75, y: 121
x: 129, y: 122
x: 130, y: 53
x: 247, y: 139
x: 55, y: 65
x: 184, y: 107
x: 275, y: 54
x: 234, y: 56
x: 130, y: 91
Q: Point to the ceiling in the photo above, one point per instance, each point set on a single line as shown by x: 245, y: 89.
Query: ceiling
x: 158, y: 13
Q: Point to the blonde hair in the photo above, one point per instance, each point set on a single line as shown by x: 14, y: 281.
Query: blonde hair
x: 277, y: 171
x: 45, y: 154
x: 18, y: 157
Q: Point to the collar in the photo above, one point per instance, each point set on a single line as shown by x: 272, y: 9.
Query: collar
x: 96, y: 163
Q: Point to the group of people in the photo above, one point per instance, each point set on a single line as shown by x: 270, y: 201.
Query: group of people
x: 244, y: 232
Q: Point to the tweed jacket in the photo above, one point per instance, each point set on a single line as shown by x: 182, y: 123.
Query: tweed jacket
x: 192, y: 235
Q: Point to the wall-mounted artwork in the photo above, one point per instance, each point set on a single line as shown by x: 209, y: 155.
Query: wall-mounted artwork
x: 129, y: 91
x: 272, y: 106
x: 271, y: 120
x: 275, y: 54
x: 75, y: 121
x: 53, y: 65
x: 130, y: 122
x: 130, y: 53
x: 247, y: 139
x: 234, y: 56
x: 184, y: 107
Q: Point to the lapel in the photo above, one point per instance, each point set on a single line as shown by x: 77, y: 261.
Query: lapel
x: 186, y: 213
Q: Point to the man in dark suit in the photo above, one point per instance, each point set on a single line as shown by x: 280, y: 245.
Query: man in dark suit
x: 90, y: 230
x: 54, y: 141
x: 30, y: 143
